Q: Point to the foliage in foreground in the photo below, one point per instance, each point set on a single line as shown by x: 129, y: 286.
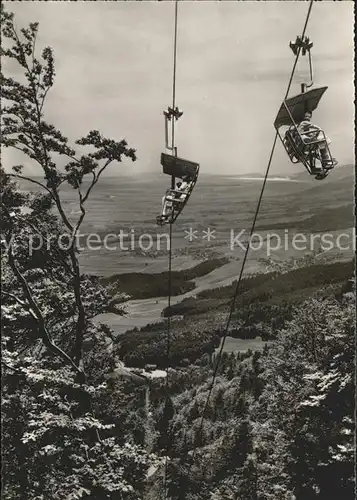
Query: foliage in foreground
x: 53, y: 355
x: 54, y: 446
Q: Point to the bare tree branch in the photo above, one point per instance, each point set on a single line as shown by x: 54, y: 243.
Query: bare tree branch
x: 37, y: 314
x: 21, y: 303
x: 32, y: 226
x: 18, y: 176
x: 95, y: 180
x: 16, y: 370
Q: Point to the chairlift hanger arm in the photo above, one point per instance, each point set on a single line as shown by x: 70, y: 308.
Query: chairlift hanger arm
x: 305, y: 86
x: 305, y: 45
x: 170, y: 115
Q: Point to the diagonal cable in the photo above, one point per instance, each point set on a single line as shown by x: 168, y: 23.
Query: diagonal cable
x: 218, y: 359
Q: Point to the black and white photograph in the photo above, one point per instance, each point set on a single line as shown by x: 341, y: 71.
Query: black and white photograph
x: 178, y: 250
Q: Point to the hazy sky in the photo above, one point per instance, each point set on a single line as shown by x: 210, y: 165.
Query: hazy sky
x: 114, y: 73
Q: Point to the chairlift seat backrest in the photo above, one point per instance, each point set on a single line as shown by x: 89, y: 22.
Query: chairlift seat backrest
x: 295, y: 107
x: 178, y: 167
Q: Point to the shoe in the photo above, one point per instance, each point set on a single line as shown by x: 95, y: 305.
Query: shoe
x: 316, y: 171
x: 328, y: 164
x: 161, y: 220
x: 321, y: 176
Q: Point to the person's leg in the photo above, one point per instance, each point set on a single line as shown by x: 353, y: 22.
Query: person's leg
x: 168, y: 206
x: 166, y: 202
x: 326, y: 159
x: 324, y: 154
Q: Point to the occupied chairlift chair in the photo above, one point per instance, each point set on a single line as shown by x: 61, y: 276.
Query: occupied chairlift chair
x: 304, y: 150
x: 176, y: 167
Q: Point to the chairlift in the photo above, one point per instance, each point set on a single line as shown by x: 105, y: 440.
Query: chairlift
x: 304, y: 148
x: 176, y: 198
x: 186, y: 171
x: 304, y: 142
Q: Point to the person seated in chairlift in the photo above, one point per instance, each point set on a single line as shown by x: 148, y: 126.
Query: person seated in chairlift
x: 167, y: 204
x: 310, y: 133
x: 169, y: 198
x: 183, y: 187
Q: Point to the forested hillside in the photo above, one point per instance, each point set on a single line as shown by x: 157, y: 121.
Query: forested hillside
x: 280, y: 424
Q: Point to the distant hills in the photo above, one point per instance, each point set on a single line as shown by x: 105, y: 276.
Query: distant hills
x: 339, y: 172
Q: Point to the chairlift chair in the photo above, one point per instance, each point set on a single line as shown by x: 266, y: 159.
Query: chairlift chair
x: 303, y: 150
x: 175, y: 199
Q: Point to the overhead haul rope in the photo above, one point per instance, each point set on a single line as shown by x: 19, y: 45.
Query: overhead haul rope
x: 218, y: 359
x: 174, y: 152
